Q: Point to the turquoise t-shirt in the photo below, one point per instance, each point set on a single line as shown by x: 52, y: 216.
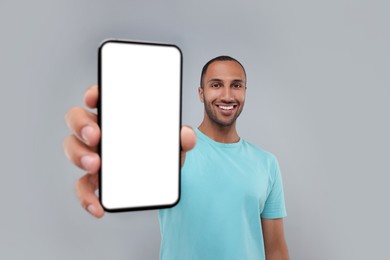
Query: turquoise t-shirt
x: 225, y: 190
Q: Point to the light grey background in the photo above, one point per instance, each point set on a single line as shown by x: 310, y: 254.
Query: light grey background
x: 318, y: 91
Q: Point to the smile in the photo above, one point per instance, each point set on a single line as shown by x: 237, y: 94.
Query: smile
x: 226, y: 107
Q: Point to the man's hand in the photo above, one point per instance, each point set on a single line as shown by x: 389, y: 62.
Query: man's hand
x: 81, y: 149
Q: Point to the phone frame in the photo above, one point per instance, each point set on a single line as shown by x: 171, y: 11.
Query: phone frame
x: 100, y: 122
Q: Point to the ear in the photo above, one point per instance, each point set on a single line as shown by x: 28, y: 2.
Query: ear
x: 200, y: 92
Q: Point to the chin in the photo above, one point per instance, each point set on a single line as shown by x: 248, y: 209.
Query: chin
x: 224, y: 123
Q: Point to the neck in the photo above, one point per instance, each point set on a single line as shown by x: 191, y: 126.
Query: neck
x: 221, y: 134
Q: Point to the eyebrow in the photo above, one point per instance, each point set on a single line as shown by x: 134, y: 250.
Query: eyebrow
x: 219, y: 80
x: 238, y: 80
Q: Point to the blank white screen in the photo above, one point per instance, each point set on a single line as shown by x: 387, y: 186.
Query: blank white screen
x: 140, y: 122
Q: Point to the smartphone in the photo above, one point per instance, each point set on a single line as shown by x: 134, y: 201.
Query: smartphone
x: 139, y: 113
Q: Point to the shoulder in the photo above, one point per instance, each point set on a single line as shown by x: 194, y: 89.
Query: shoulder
x: 263, y: 157
x: 269, y: 162
x: 258, y: 151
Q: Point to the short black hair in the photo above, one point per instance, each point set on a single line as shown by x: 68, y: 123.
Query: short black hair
x: 219, y: 58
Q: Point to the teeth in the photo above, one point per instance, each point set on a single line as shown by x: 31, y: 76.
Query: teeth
x: 226, y: 107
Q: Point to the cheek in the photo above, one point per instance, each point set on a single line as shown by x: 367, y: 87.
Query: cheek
x: 241, y: 97
x: 211, y: 96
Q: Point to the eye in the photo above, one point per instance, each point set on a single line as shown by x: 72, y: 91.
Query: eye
x: 215, y: 85
x: 236, y: 85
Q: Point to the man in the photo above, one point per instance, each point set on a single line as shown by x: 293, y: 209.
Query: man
x: 232, y: 202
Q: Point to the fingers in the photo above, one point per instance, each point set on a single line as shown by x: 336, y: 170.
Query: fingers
x: 85, y: 190
x: 188, y: 141
x: 84, y: 125
x: 81, y: 155
x: 91, y: 96
x: 80, y: 149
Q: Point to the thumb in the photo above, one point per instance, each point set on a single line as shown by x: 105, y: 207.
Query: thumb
x: 187, y: 140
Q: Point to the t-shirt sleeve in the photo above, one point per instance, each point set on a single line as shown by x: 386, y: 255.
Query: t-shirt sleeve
x: 274, y: 206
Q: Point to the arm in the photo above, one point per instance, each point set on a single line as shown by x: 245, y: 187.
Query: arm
x: 274, y: 242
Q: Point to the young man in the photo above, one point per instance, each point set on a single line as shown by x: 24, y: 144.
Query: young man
x: 232, y: 202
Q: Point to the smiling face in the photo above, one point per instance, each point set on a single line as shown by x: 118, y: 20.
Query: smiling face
x: 223, y: 92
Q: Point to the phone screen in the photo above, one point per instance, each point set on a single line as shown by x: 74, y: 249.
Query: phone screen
x: 139, y: 113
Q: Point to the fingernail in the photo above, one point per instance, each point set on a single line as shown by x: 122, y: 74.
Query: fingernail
x: 86, y: 162
x: 92, y: 209
x: 85, y: 132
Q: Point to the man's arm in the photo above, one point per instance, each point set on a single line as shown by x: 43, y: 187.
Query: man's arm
x: 274, y: 242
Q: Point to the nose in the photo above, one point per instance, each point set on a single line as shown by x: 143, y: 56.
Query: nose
x: 227, y: 95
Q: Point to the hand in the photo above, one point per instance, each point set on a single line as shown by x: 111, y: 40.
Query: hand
x: 81, y: 149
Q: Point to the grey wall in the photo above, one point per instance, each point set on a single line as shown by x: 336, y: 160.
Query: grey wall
x: 318, y: 96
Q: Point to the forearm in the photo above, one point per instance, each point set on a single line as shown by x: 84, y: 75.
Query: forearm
x: 274, y: 243
x: 277, y: 255
x: 278, y: 251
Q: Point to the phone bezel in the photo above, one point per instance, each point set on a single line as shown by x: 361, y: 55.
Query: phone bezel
x: 100, y: 122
